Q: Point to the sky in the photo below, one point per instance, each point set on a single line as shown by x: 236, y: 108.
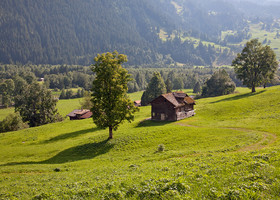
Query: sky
x: 259, y: 1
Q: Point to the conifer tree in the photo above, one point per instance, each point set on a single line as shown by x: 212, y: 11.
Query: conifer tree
x: 168, y: 85
x: 155, y: 88
x: 62, y: 94
x: 197, y: 88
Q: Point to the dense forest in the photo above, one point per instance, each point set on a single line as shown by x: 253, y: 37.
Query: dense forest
x: 74, y: 31
x: 74, y: 76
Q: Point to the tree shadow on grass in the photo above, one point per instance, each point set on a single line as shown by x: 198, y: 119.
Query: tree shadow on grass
x: 151, y: 123
x: 82, y: 152
x: 69, y: 135
x: 241, y: 96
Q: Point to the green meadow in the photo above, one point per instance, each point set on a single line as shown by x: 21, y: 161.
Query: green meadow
x: 262, y: 35
x: 228, y: 150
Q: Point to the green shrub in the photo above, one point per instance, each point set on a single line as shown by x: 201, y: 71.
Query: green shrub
x: 161, y: 148
x: 12, y: 122
x: 219, y: 84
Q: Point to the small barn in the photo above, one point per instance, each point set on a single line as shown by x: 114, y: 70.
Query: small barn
x: 137, y: 103
x: 172, y: 107
x: 79, y: 114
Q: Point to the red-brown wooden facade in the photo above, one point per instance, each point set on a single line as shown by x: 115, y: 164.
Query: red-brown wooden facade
x: 172, y: 107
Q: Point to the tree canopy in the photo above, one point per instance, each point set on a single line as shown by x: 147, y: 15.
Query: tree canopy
x: 255, y: 65
x: 219, y: 84
x: 111, y: 105
x: 197, y: 88
x: 6, y: 91
x: 155, y: 88
x: 12, y: 122
x: 36, y: 105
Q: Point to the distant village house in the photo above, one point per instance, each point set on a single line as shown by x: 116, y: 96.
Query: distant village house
x: 137, y: 103
x: 79, y: 114
x: 172, y: 107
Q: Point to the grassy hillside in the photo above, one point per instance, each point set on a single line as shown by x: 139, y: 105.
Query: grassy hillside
x: 229, y: 150
x: 264, y: 36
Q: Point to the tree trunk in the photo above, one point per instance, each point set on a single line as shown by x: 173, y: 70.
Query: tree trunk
x: 253, y: 89
x: 264, y: 86
x: 110, y: 133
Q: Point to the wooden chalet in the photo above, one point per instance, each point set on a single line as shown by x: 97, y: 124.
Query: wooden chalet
x: 79, y: 114
x: 172, y: 107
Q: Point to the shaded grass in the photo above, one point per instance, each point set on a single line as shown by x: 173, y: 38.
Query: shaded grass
x: 70, y: 135
x: 241, y: 96
x: 81, y: 152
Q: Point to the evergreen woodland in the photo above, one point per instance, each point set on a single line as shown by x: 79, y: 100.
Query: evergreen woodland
x: 74, y: 31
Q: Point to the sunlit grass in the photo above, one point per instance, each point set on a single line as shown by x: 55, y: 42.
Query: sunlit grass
x: 203, y: 156
x: 4, y: 112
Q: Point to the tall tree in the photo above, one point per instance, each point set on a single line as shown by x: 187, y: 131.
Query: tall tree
x: 256, y: 64
x: 36, y: 105
x: 168, y: 85
x: 197, y: 88
x: 86, y: 102
x: 111, y: 105
x: 155, y: 88
x: 6, y: 91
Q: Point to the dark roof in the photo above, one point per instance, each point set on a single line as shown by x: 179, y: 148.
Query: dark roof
x: 189, y: 100
x: 79, y: 112
x: 86, y: 115
x: 179, y: 94
x: 171, y: 98
x: 174, y: 96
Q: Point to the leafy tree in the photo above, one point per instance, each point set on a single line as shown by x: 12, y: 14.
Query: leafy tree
x: 256, y: 64
x: 197, y: 88
x: 6, y: 90
x: 178, y: 83
x: 140, y: 80
x: 78, y: 95
x: 20, y: 85
x: 86, y: 102
x: 62, y: 94
x: 219, y: 84
x: 69, y: 94
x: 12, y: 122
x: 37, y: 106
x: 155, y: 88
x: 111, y: 105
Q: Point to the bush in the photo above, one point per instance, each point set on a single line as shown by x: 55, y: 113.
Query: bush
x: 219, y: 84
x: 12, y: 122
x: 161, y: 148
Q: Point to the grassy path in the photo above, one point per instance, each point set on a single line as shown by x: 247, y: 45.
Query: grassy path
x: 268, y: 138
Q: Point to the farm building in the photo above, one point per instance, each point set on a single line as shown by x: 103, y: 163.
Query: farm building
x: 79, y: 114
x: 172, y: 107
x: 137, y: 103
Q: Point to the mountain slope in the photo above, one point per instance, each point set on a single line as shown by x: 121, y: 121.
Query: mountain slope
x: 74, y: 31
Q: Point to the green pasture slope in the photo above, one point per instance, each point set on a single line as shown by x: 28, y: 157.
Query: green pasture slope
x: 229, y: 150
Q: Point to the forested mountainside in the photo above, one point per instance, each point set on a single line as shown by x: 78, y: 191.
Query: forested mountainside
x: 74, y: 31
